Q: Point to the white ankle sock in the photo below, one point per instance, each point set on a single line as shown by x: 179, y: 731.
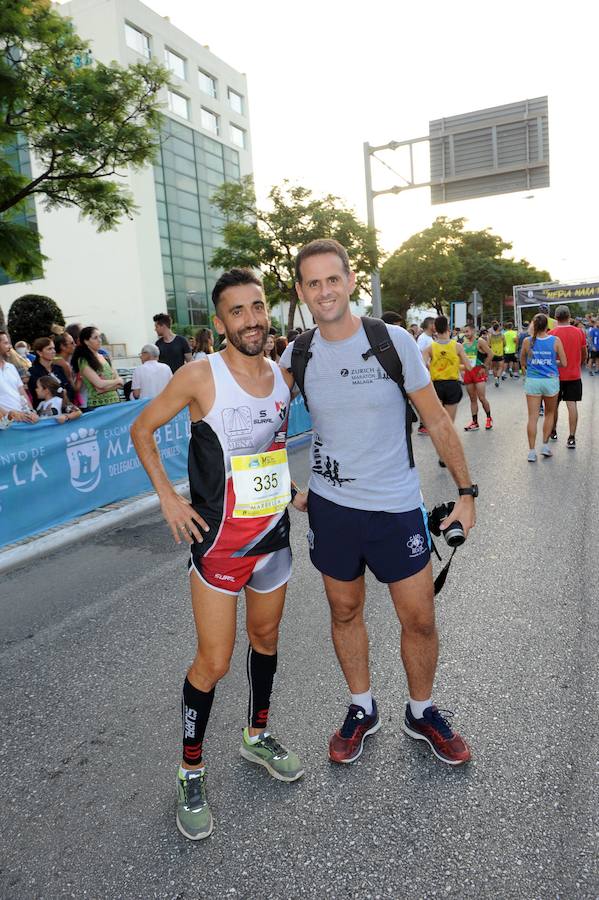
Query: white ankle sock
x: 190, y: 773
x: 363, y: 700
x: 417, y: 707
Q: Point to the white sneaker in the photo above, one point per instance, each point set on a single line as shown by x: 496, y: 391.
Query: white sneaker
x: 546, y: 451
x: 532, y: 455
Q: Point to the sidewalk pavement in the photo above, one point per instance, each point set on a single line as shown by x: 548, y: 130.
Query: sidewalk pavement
x: 13, y: 556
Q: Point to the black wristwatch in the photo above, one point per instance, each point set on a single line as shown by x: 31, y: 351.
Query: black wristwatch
x: 471, y: 491
x: 294, y: 493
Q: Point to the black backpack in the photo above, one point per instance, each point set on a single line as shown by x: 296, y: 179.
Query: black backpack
x: 381, y: 346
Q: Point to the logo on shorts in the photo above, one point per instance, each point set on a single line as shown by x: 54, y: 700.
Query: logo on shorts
x: 224, y: 577
x: 310, y: 537
x: 416, y: 545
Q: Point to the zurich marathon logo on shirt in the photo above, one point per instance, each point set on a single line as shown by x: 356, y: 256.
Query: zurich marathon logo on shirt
x: 416, y: 545
x: 83, y: 454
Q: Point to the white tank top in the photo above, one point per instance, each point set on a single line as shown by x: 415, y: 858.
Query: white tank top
x: 245, y: 424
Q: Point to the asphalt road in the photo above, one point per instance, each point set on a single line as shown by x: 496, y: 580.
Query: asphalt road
x: 95, y: 641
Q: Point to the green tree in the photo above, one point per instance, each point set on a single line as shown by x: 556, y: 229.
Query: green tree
x: 269, y: 239
x: 32, y: 316
x: 84, y: 123
x: 445, y: 263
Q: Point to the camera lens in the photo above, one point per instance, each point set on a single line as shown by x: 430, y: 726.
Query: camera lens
x: 454, y: 535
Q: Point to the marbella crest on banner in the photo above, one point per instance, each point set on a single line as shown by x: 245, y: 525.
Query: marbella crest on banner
x: 51, y: 473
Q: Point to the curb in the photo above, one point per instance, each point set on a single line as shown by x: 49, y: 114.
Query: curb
x: 80, y: 530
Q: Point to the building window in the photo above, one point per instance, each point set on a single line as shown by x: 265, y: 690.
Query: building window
x: 209, y: 121
x: 137, y: 40
x: 178, y: 104
x: 235, y: 101
x: 175, y: 63
x: 237, y: 136
x: 207, y: 83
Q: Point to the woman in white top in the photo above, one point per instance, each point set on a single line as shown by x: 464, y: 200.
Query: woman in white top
x: 204, y: 344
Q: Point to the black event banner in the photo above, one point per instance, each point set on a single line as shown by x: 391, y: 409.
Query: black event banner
x: 559, y: 293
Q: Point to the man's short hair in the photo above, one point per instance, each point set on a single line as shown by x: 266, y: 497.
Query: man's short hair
x: 426, y: 322
x: 317, y: 248
x: 162, y: 319
x: 151, y: 349
x: 441, y: 324
x: 562, y: 313
x: 233, y: 278
x: 392, y: 318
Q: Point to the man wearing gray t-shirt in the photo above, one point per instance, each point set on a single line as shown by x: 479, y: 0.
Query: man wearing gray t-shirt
x: 364, y: 501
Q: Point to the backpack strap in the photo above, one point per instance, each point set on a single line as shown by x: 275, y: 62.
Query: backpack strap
x: 299, y: 359
x: 383, y: 348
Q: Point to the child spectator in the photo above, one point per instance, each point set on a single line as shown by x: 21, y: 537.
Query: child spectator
x: 54, y: 400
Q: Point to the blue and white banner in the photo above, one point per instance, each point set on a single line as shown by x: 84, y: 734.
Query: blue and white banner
x: 51, y: 473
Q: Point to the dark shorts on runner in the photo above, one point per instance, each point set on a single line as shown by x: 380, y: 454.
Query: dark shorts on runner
x: 449, y: 392
x: 475, y: 375
x: 497, y: 358
x: 229, y: 574
x: 571, y: 390
x: 594, y: 354
x: 343, y: 541
x: 510, y: 357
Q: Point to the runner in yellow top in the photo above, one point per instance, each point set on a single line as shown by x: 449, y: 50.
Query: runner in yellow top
x: 497, y: 345
x: 512, y: 364
x: 445, y: 358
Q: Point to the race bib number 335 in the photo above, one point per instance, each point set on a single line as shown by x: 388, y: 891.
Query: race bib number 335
x: 261, y: 482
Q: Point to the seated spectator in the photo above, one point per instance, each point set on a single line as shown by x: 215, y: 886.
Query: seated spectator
x: 152, y: 376
x: 24, y: 351
x: 14, y: 402
x: 392, y: 318
x: 44, y: 365
x: 54, y: 401
x: 269, y: 348
x: 280, y: 345
x: 203, y: 344
x: 65, y: 347
x: 99, y: 378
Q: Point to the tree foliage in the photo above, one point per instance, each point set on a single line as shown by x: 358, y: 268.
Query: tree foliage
x: 445, y: 262
x: 32, y: 316
x: 269, y: 239
x: 84, y: 123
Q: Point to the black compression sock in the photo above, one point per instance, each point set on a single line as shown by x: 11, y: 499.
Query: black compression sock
x: 261, y: 672
x: 195, y: 710
x: 475, y: 418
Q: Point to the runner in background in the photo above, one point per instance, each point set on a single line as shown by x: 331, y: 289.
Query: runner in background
x: 480, y: 355
x: 512, y: 364
x: 497, y: 345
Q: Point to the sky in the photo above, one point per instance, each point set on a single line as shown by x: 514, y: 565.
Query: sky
x: 324, y: 77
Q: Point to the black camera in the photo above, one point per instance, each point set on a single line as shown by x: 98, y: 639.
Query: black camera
x: 454, y: 535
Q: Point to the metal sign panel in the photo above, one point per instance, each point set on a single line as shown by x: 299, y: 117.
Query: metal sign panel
x: 553, y: 294
x: 490, y: 151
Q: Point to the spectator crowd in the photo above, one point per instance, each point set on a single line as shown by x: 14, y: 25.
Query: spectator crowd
x: 68, y: 372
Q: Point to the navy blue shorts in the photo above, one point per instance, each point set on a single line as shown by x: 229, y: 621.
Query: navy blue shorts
x: 343, y: 541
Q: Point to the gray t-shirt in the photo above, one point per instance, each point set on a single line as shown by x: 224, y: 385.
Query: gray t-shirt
x: 359, y: 453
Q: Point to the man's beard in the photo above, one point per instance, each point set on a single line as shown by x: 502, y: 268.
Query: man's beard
x: 253, y: 348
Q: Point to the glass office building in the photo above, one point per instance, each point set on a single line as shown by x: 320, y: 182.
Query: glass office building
x: 17, y: 155
x: 190, y: 167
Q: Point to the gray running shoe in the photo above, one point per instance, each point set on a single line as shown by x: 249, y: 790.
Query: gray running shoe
x: 280, y: 762
x: 194, y: 818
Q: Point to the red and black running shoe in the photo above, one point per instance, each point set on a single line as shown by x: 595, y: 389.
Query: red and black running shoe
x: 347, y: 743
x: 446, y: 744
